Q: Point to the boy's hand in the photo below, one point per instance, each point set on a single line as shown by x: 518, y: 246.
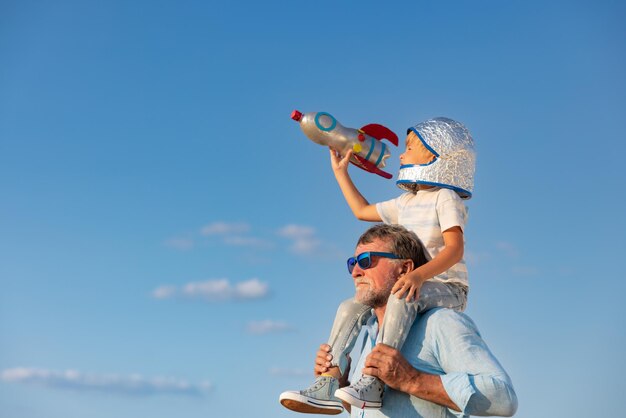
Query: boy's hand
x: 409, y: 284
x: 339, y: 163
x: 322, y: 360
x: 322, y: 364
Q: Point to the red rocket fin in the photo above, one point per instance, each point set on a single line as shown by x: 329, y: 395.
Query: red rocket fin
x: 362, y: 163
x: 380, y: 132
x: 382, y: 173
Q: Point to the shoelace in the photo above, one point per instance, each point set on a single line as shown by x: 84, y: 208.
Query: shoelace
x: 363, y: 382
x: 318, y: 384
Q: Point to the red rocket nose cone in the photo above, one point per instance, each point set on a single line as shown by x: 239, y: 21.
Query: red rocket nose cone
x: 296, y: 115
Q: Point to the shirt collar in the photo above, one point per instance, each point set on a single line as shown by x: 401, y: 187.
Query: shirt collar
x: 371, y: 327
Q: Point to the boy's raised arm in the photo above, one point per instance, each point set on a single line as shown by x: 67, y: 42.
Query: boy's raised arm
x: 361, y: 208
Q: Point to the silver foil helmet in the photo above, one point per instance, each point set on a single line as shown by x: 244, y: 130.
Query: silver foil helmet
x: 455, y: 158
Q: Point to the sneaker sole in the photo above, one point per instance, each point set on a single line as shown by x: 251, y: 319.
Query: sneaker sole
x: 305, y: 405
x: 346, y: 397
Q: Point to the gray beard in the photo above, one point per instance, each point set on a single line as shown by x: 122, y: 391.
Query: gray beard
x: 374, y: 298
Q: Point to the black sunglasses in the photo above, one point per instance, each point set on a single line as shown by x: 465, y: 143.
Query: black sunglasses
x: 364, y: 260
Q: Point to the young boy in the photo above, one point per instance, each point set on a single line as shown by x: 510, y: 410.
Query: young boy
x: 437, y: 171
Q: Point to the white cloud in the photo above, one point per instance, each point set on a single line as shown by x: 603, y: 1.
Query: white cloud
x: 247, y: 242
x: 223, y: 228
x: 133, y: 384
x: 164, y: 292
x: 231, y: 234
x: 305, y: 246
x: 268, y: 326
x: 208, y: 289
x: 251, y: 289
x: 302, y: 237
x: 296, y: 231
x: 215, y: 290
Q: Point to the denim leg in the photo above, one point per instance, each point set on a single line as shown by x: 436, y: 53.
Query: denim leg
x: 400, y: 314
x: 399, y: 317
x: 350, y: 317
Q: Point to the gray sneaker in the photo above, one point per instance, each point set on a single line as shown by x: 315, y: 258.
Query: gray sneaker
x: 317, y: 399
x: 366, y: 393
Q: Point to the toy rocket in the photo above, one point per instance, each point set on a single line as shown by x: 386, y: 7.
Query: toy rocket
x: 370, y: 152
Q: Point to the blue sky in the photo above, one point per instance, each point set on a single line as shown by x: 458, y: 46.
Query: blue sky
x: 172, y: 245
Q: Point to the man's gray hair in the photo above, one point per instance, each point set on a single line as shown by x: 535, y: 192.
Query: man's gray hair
x: 401, y: 241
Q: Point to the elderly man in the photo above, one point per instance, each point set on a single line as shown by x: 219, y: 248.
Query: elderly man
x: 444, y: 369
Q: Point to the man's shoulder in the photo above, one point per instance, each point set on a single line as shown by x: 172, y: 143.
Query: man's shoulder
x: 437, y: 315
x: 444, y: 320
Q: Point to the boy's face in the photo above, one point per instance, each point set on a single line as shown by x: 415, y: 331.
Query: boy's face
x: 416, y: 152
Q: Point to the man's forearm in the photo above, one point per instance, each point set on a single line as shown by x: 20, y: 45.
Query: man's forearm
x: 428, y: 387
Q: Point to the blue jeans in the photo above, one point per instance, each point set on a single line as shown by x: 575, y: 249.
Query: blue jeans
x: 399, y: 317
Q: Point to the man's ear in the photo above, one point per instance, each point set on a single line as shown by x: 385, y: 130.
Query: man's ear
x: 407, y: 266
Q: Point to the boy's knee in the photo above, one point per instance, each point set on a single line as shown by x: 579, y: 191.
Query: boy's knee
x: 352, y: 307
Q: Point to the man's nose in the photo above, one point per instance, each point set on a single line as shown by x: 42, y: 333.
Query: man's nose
x: 357, y: 271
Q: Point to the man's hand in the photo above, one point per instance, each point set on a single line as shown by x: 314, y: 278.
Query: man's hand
x: 408, y: 284
x: 390, y: 366
x: 323, y: 365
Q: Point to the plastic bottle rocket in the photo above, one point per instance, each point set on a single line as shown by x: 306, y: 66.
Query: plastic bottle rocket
x: 370, y: 152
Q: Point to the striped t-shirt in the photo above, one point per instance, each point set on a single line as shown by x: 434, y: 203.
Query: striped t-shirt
x: 428, y: 213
